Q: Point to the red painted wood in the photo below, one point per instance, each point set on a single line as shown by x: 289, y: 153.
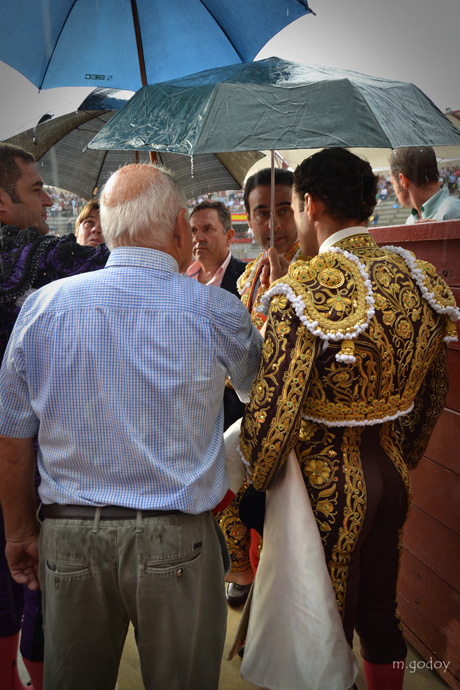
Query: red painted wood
x: 429, y: 584
x: 453, y: 396
x: 444, y: 443
x: 436, y: 491
x: 436, y: 607
x: 434, y: 545
x: 425, y: 652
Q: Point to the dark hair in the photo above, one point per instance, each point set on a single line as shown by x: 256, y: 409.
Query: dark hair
x: 224, y: 213
x: 417, y: 163
x: 9, y: 170
x: 344, y: 183
x: 264, y: 177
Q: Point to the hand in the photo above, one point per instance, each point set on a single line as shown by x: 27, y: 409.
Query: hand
x: 274, y: 266
x: 22, y: 556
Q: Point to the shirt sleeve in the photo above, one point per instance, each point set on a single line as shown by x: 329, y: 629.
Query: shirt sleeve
x: 414, y: 430
x: 239, y: 343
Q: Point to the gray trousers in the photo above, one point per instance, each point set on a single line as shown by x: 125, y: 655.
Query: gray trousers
x: 165, y: 574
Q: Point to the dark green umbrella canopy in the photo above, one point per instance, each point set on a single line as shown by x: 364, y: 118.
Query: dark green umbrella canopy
x: 276, y: 104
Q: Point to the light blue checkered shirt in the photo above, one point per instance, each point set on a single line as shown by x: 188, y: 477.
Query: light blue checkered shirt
x: 122, y: 373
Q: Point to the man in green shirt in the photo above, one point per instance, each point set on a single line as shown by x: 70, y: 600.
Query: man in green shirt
x: 415, y: 179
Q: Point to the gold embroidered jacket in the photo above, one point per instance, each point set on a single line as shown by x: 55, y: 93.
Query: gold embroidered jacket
x: 355, y: 337
x: 249, y: 287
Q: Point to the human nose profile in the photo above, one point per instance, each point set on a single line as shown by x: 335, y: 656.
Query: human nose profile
x: 46, y: 199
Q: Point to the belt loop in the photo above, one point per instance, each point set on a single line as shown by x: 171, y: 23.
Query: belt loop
x: 139, y: 521
x: 97, y: 518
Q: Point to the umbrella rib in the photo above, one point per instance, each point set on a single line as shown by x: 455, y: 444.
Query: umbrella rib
x: 55, y: 44
x: 140, y: 47
x: 223, y: 31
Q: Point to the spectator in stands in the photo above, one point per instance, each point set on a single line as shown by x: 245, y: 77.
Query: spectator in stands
x: 88, y: 229
x: 415, y: 179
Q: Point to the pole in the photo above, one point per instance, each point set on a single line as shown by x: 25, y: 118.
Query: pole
x: 272, y: 199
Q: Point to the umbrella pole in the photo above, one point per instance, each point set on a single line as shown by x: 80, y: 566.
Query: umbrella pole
x: 272, y: 198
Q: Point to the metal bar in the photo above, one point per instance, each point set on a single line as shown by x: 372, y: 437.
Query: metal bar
x: 272, y: 199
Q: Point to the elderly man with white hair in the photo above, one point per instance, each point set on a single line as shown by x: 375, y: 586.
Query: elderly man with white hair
x: 122, y: 373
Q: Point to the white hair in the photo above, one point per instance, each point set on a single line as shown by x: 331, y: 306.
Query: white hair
x: 147, y: 216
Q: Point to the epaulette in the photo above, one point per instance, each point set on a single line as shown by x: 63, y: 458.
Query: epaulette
x: 331, y: 295
x: 245, y: 279
x: 433, y: 288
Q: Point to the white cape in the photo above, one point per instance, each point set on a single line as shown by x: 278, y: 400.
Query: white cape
x: 295, y: 638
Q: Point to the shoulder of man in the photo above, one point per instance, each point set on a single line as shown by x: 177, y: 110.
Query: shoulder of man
x: 450, y: 208
x: 66, y: 257
x: 233, y: 271
x: 329, y: 294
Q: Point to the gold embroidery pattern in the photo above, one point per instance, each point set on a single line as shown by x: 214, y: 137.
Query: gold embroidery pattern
x: 274, y: 411
x: 320, y: 464
x: 396, y: 345
x: 258, y: 319
x: 237, y: 535
x: 353, y: 514
x: 333, y: 291
x: 389, y: 442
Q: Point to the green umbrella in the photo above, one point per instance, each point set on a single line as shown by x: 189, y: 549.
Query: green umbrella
x: 276, y: 104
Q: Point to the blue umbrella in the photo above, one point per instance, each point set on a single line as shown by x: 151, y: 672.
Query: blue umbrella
x: 130, y: 43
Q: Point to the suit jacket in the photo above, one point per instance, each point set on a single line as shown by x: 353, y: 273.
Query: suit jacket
x: 234, y: 269
x: 233, y: 407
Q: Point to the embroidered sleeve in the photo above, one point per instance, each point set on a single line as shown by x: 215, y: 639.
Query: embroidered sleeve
x: 67, y: 258
x: 414, y: 429
x: 272, y: 418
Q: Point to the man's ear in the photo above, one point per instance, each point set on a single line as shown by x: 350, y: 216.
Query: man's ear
x: 313, y: 207
x: 181, y: 228
x: 403, y: 181
x: 5, y: 204
x: 182, y: 237
x: 229, y: 235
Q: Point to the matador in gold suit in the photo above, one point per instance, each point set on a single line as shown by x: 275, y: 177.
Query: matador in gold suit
x: 353, y: 378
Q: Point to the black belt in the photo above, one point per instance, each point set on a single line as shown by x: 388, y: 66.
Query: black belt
x: 56, y: 511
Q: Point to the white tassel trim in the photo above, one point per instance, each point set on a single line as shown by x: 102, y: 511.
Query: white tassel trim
x: 363, y: 422
x: 300, y: 308
x: 245, y: 463
x: 418, y: 275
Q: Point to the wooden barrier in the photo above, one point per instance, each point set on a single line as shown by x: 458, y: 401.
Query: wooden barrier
x: 429, y: 586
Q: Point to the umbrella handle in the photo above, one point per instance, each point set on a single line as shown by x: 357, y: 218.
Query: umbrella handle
x: 272, y: 198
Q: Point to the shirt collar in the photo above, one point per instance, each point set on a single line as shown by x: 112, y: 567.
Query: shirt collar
x: 194, y: 269
x: 342, y: 235
x: 143, y: 257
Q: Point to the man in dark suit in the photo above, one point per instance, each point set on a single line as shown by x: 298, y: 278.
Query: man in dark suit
x: 212, y: 232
